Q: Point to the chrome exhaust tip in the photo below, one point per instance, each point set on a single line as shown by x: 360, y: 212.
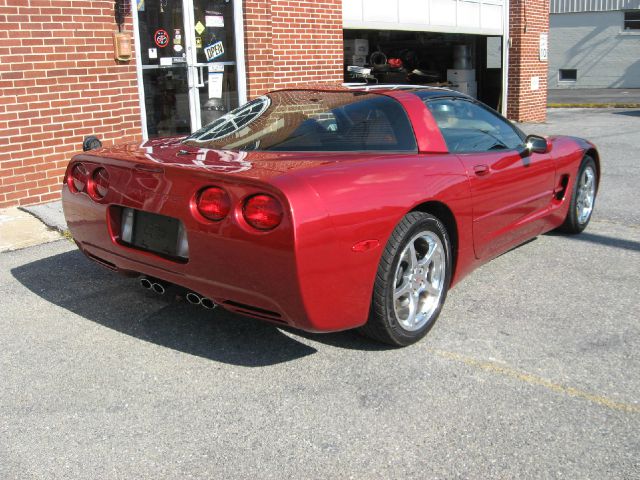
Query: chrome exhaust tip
x: 208, y: 303
x: 193, y: 298
x: 157, y: 286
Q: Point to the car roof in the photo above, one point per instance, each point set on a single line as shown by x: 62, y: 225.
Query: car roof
x: 425, y: 91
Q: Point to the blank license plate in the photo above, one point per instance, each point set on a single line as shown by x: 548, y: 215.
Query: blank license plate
x: 155, y: 233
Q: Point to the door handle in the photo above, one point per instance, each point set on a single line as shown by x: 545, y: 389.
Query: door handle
x: 481, y: 170
x: 200, y: 82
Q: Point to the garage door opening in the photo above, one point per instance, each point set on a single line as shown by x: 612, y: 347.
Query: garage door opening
x: 471, y: 64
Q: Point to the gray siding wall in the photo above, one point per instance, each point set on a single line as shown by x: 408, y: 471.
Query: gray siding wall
x: 596, y: 45
x: 567, y: 6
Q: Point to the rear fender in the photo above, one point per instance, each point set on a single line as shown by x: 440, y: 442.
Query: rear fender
x: 342, y: 231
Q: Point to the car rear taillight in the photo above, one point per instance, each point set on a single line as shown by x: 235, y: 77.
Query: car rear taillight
x: 262, y: 212
x: 213, y: 203
x: 78, y: 178
x: 99, y: 184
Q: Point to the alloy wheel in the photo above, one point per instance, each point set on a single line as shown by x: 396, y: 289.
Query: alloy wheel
x: 419, y: 280
x: 586, y: 194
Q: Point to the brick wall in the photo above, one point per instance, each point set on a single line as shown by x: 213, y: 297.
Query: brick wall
x: 290, y: 43
x: 58, y: 84
x: 527, y: 20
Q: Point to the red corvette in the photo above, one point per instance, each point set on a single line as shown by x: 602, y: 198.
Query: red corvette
x: 329, y: 210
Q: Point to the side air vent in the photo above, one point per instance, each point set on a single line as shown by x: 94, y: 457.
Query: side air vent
x: 561, y: 189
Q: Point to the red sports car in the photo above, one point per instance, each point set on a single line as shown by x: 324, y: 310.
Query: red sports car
x: 329, y: 210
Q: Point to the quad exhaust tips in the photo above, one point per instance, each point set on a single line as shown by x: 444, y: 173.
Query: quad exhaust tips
x: 197, y: 299
x: 160, y: 287
x: 154, y: 285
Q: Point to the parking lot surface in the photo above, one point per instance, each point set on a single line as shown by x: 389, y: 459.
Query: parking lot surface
x: 532, y: 370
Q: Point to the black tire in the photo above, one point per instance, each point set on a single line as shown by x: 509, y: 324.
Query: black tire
x: 384, y: 324
x: 572, y: 223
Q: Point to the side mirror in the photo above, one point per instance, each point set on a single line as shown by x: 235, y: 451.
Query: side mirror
x: 537, y: 144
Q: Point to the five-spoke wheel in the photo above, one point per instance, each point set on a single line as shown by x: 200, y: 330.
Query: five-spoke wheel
x: 586, y: 194
x: 419, y: 280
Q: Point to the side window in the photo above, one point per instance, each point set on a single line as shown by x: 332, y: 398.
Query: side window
x: 469, y: 127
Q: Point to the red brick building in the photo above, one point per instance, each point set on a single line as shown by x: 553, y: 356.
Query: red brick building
x: 193, y: 60
x: 527, y: 74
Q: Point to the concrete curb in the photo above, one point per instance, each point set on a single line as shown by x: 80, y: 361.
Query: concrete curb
x: 19, y: 229
x: 50, y: 214
x: 593, y: 105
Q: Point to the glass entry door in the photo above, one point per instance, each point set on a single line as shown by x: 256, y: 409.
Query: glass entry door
x: 187, y: 63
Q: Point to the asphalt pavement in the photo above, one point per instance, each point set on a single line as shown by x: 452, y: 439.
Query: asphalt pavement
x: 532, y: 370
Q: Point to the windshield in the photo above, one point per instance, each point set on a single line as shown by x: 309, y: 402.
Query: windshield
x: 306, y: 120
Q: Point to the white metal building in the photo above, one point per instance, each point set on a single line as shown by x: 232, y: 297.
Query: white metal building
x: 594, y: 44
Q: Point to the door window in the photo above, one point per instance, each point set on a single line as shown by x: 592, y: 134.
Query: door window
x: 214, y: 31
x: 470, y: 127
x: 166, y: 99
x: 162, y: 33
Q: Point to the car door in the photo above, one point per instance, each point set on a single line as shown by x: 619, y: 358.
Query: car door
x: 511, y: 188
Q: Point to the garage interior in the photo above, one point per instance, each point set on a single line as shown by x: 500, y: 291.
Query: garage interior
x: 471, y: 64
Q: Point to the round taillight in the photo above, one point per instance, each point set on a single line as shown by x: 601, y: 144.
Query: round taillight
x: 213, y: 203
x: 99, y: 184
x: 78, y: 178
x: 262, y: 212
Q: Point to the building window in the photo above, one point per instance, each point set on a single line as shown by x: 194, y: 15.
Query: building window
x: 632, y: 20
x: 568, y: 75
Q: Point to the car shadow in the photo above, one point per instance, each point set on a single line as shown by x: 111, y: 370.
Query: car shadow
x: 74, y: 283
x: 348, y: 340
x: 601, y: 240
x: 629, y: 113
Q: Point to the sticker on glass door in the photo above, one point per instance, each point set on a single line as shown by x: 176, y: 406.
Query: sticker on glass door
x: 161, y: 38
x: 214, y: 51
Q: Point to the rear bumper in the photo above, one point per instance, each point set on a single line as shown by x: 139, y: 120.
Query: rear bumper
x: 241, y: 272
x: 225, y: 296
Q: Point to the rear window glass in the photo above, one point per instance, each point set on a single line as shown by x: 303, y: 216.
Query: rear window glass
x: 305, y: 120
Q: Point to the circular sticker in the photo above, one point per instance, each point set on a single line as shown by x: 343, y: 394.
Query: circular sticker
x: 161, y: 37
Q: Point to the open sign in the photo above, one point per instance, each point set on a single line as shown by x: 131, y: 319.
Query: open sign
x: 213, y: 51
